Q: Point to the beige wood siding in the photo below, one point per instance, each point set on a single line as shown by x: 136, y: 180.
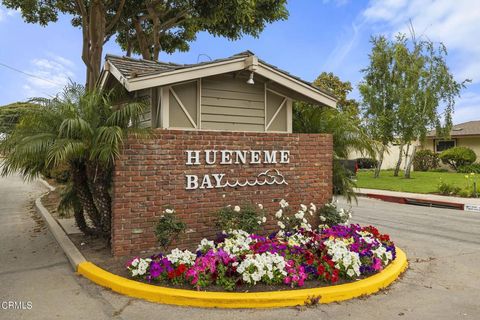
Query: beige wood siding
x: 229, y: 103
x: 276, y: 112
x: 183, y: 105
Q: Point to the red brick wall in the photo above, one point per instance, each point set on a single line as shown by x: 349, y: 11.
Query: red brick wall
x: 150, y: 175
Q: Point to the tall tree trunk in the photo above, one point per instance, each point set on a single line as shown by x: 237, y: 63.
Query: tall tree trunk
x: 79, y: 216
x: 141, y: 39
x: 408, y: 169
x: 380, y: 161
x: 94, y: 34
x: 99, y: 181
x: 97, y: 33
x: 406, y: 156
x: 82, y: 190
x: 399, y: 161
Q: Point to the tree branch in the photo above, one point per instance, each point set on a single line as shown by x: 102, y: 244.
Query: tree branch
x: 115, y: 18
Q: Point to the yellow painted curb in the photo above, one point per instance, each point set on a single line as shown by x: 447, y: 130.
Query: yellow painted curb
x: 273, y: 299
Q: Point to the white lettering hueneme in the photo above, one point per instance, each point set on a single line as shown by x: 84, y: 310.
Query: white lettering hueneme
x: 235, y: 157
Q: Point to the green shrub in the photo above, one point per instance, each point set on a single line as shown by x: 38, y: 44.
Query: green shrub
x: 447, y: 189
x: 439, y: 170
x: 168, y: 228
x: 425, y: 160
x: 247, y: 218
x: 331, y: 215
x: 458, y: 156
x: 466, y: 193
x: 366, y: 163
x: 474, y: 167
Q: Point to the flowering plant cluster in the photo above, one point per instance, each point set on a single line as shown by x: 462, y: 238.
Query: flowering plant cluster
x: 246, y: 217
x: 330, y: 214
x: 328, y: 254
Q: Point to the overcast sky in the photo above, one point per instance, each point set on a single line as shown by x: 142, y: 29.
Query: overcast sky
x: 320, y: 35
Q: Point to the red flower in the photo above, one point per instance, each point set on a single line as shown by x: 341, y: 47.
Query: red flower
x: 384, y: 238
x: 181, y: 268
x: 320, y: 269
x: 171, y: 274
x: 334, y: 276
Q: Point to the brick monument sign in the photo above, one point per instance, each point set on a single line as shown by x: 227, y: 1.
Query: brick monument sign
x: 222, y: 135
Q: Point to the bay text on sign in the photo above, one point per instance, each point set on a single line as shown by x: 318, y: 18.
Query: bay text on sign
x: 235, y: 157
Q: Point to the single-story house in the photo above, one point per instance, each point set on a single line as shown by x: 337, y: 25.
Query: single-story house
x: 239, y: 93
x: 465, y: 134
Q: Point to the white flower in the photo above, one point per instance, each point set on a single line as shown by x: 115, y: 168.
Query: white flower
x: 304, y: 207
x: 236, y: 209
x: 264, y: 219
x: 313, y: 207
x: 260, y: 206
x: 205, y: 245
x: 279, y: 213
x: 323, y: 219
x: 169, y: 211
x: 266, y: 266
x: 281, y: 225
x: 299, y: 215
x: 178, y: 256
x: 139, y: 266
x: 237, y: 242
x: 344, y: 258
x: 283, y: 203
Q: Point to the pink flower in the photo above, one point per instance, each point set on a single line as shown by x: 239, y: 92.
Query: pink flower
x: 377, y: 264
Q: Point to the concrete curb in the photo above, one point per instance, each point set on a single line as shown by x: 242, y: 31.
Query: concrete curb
x: 227, y: 300
x: 74, y: 256
x: 46, y: 184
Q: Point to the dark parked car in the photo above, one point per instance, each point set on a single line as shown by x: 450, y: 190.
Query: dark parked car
x: 350, y: 166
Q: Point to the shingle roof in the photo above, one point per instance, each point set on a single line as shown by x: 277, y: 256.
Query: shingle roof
x: 135, y: 68
x: 470, y: 128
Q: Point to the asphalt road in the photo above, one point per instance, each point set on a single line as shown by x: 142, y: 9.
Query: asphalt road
x: 443, y: 281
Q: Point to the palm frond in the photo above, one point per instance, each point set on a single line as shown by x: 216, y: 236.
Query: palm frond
x: 75, y: 128
x: 128, y: 115
x: 64, y: 150
x: 107, y: 143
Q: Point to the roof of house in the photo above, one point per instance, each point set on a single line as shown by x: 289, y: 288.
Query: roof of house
x: 470, y: 128
x: 136, y: 74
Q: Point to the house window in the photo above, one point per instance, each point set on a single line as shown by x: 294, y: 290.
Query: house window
x: 441, y: 145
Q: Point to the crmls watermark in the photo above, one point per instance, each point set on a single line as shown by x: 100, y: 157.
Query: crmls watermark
x: 16, y: 305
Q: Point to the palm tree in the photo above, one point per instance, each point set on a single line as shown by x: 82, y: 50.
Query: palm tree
x: 347, y: 136
x: 84, y: 130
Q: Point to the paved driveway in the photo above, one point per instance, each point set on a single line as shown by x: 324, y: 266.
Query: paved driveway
x: 443, y: 281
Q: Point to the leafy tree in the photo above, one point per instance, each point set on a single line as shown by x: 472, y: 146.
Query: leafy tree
x: 403, y: 90
x: 378, y: 92
x: 83, y: 131
x: 10, y: 115
x: 431, y: 88
x: 151, y: 26
x: 347, y: 134
x: 97, y: 18
x: 340, y: 89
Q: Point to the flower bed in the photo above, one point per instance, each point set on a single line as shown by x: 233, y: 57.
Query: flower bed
x: 235, y: 258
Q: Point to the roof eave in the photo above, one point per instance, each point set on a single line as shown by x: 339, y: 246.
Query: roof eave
x: 243, y: 63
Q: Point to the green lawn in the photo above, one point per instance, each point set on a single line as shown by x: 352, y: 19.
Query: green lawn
x: 420, y: 182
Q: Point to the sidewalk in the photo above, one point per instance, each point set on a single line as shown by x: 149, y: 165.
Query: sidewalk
x: 407, y: 197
